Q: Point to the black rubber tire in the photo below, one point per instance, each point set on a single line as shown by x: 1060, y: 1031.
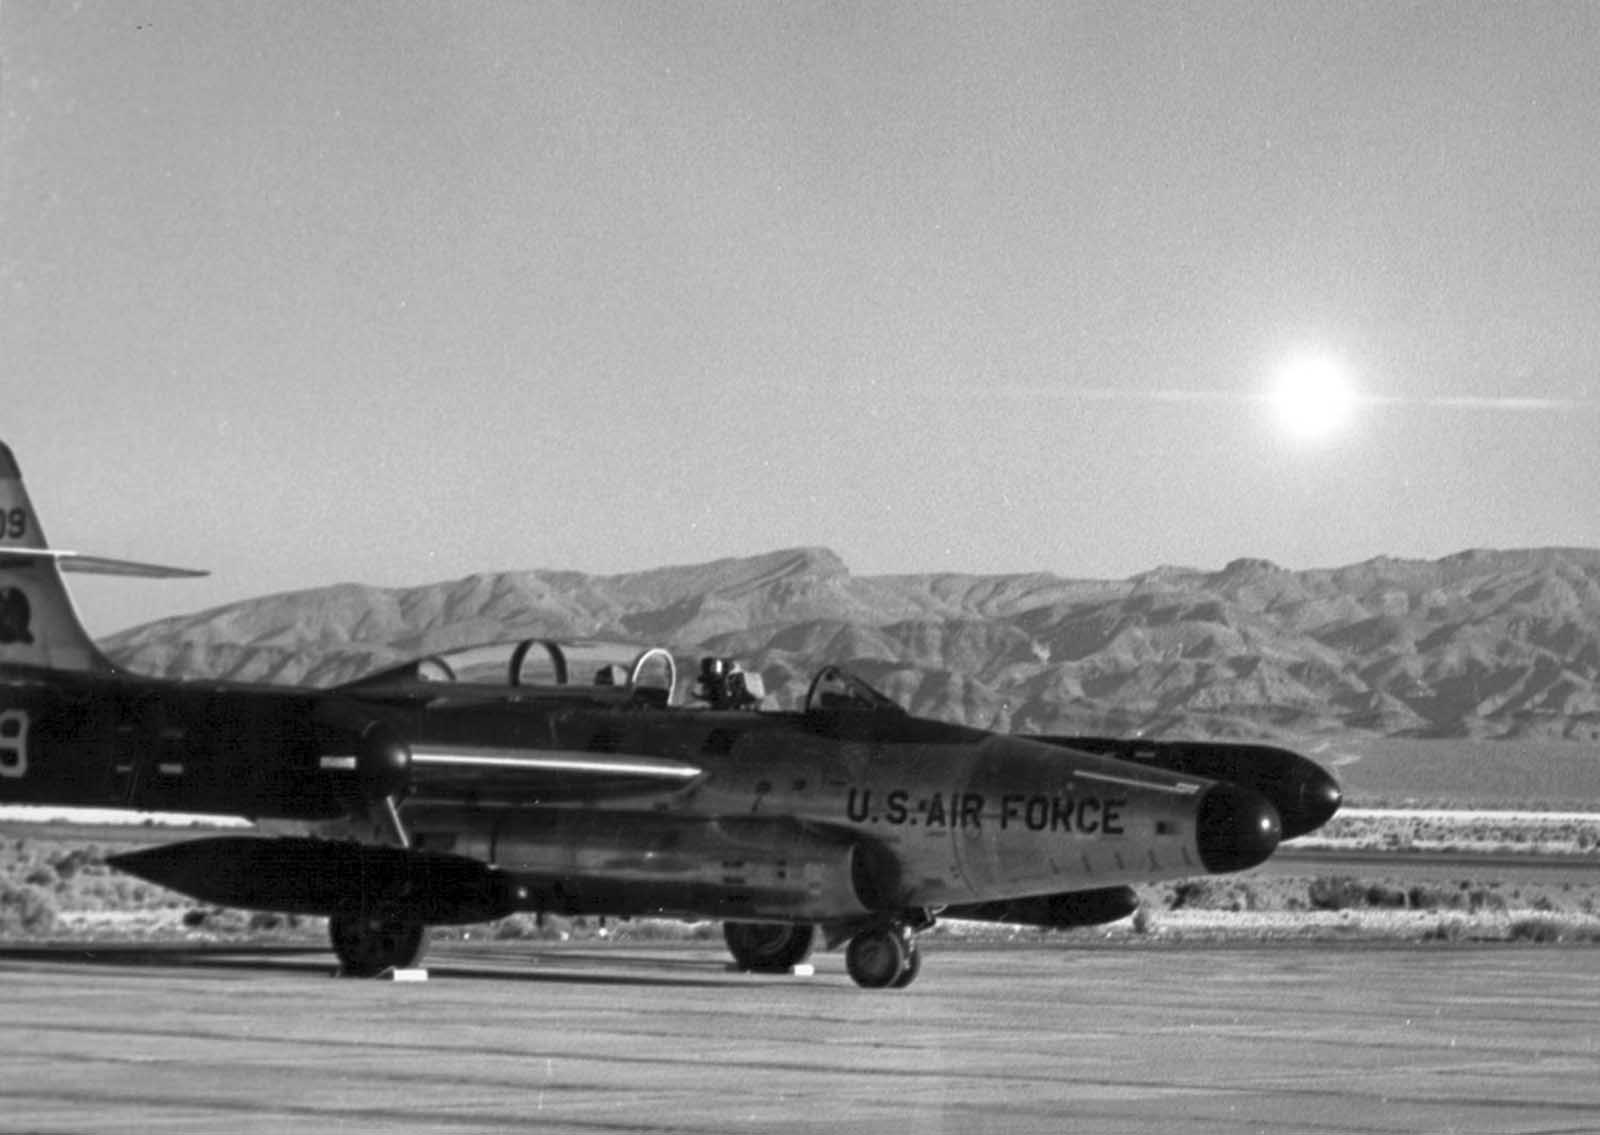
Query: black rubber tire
x: 769, y: 947
x: 877, y: 959
x: 368, y: 945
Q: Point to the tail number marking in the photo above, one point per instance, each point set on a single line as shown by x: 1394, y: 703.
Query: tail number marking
x: 14, y: 743
x: 14, y: 524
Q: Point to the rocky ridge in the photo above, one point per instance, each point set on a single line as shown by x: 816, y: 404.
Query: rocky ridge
x: 1482, y: 644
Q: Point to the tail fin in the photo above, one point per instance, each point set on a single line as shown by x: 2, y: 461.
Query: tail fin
x: 38, y: 624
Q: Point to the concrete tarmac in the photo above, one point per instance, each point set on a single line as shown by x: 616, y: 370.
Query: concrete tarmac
x: 1151, y: 1037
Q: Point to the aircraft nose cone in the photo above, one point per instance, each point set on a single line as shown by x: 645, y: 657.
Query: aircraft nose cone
x: 1237, y: 828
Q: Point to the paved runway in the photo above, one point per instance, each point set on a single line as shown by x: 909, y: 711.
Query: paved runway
x: 596, y: 1037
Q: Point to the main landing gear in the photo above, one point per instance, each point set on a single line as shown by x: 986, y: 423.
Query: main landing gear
x: 366, y: 945
x: 769, y: 947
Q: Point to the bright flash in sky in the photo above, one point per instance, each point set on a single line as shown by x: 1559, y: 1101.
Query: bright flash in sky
x: 1312, y: 398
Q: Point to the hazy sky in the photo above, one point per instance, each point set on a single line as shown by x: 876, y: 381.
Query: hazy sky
x: 394, y: 293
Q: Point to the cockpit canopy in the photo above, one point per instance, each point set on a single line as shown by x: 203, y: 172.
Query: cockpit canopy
x: 650, y: 674
x: 835, y: 689
x: 541, y: 663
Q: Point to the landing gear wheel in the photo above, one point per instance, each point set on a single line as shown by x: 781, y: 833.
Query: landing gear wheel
x: 769, y: 947
x: 366, y: 945
x: 880, y: 959
x: 913, y: 965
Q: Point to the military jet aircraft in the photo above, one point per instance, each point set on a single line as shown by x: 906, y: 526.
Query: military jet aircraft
x: 537, y: 776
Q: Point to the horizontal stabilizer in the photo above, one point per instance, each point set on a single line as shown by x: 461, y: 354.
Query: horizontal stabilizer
x: 101, y: 565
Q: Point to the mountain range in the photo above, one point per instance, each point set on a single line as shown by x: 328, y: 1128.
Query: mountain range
x: 1481, y: 644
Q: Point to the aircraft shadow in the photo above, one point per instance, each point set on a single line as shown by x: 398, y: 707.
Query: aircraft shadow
x: 587, y: 968
x: 451, y: 971
x: 147, y: 955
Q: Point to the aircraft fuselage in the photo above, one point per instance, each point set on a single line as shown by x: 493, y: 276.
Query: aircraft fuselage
x: 828, y: 815
x: 466, y: 785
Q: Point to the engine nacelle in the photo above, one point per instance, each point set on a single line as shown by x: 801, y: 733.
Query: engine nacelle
x: 580, y: 862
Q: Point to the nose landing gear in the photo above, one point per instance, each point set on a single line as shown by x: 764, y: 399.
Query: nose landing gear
x: 887, y: 956
x: 883, y: 959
